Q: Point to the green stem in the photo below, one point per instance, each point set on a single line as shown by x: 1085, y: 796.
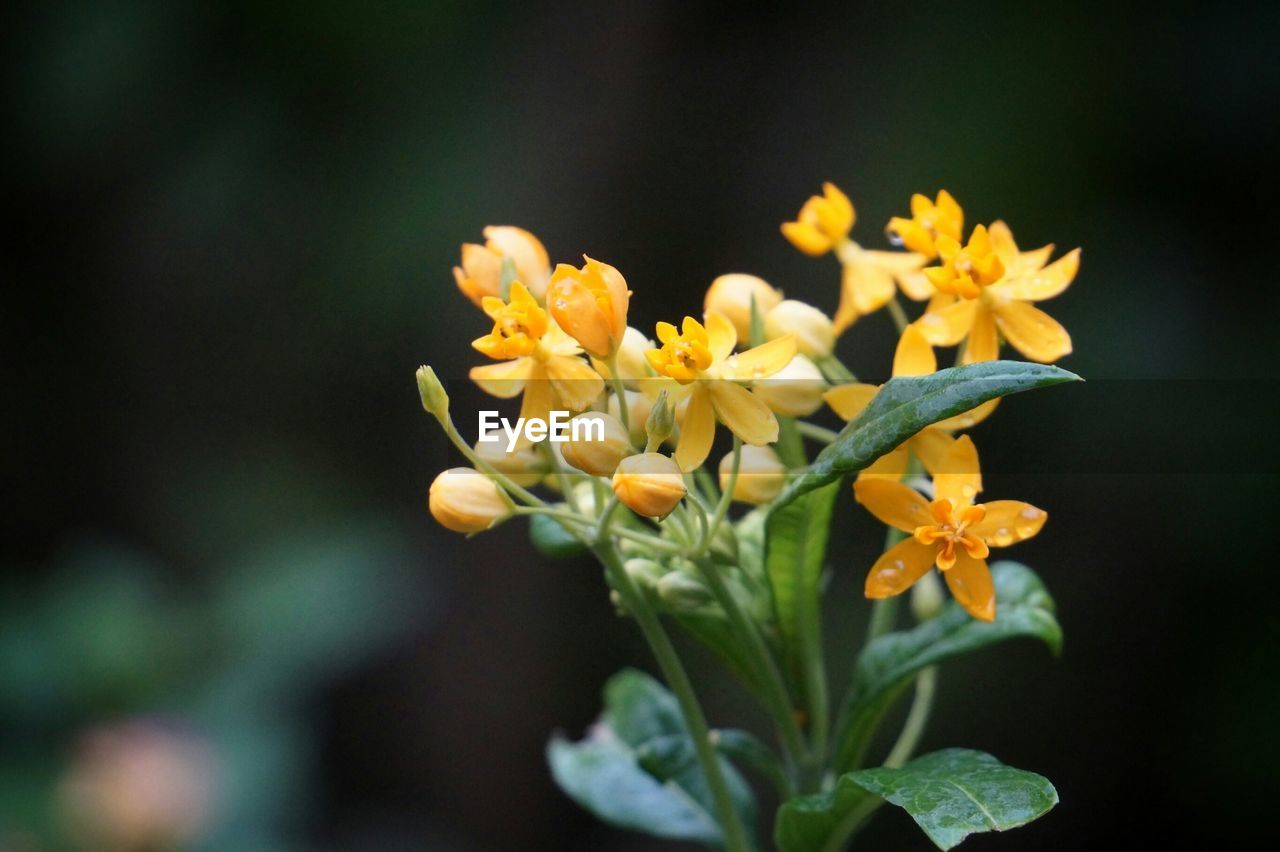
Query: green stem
x: 455, y: 438
x: 722, y: 508
x: 917, y: 718
x: 835, y: 371
x: 815, y: 432
x: 619, y: 390
x: 735, y: 836
x: 898, y: 314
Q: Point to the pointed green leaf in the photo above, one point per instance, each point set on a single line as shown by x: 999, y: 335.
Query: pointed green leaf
x: 637, y: 767
x: 905, y: 405
x: 957, y: 792
x: 886, y: 666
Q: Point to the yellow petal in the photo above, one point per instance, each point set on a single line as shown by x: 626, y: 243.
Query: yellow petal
x: 870, y: 285
x: 914, y: 356
x: 744, y: 414
x: 806, y: 237
x: 721, y: 336
x: 761, y: 361
x: 503, y: 380
x: 891, y: 466
x: 1045, y: 283
x: 947, y: 326
x: 1002, y: 241
x: 971, y: 585
x: 539, y: 399
x: 932, y: 445
x: 898, y: 568
x: 576, y: 385
x: 970, y: 418
x: 894, y: 503
x: 697, y: 430
x: 1032, y: 332
x: 959, y: 476
x: 1008, y: 522
x: 839, y: 215
x: 847, y: 401
x: 533, y: 267
x: 984, y: 343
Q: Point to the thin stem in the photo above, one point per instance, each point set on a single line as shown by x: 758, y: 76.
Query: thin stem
x: 735, y: 837
x: 722, y: 508
x: 898, y: 314
x: 815, y: 432
x: 456, y: 439
x: 917, y: 718
x: 619, y: 390
x: 835, y: 370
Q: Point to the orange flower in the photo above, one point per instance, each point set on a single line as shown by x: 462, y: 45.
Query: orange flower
x: 929, y: 221
x: 950, y: 532
x: 590, y: 304
x: 480, y: 274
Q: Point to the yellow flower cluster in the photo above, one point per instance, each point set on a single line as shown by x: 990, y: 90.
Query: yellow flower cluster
x: 753, y: 362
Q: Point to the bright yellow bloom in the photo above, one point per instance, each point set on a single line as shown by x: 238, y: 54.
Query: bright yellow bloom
x: 590, y: 304
x: 1004, y: 306
x: 705, y: 371
x: 649, y: 484
x: 824, y: 222
x: 966, y: 269
x: 732, y: 295
x: 538, y: 358
x: 467, y: 501
x: 929, y: 221
x: 914, y: 357
x: 480, y: 274
x: 950, y: 532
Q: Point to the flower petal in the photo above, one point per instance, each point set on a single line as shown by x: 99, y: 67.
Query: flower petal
x: 1032, y: 332
x: 914, y: 356
x: 806, y: 237
x: 932, y: 445
x: 870, y: 284
x: 721, y: 336
x: 1034, y: 286
x: 847, y: 401
x: 959, y: 476
x: 969, y: 418
x: 898, y: 568
x: 893, y: 503
x: 503, y: 380
x: 576, y: 385
x: 947, y: 326
x: 697, y: 430
x: 744, y: 413
x: 971, y: 585
x: 984, y: 343
x: 1008, y: 522
x: 891, y: 466
x: 761, y: 361
x: 539, y: 399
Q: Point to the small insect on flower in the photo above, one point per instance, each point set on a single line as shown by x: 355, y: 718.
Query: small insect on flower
x: 706, y: 373
x: 590, y: 304
x: 951, y: 531
x: 649, y: 484
x: 480, y: 274
x: 467, y: 501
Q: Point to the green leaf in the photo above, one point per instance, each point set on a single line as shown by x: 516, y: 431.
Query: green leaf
x: 551, y: 539
x: 822, y: 821
x: 905, y: 405
x: 957, y: 792
x: 887, y: 665
x: 637, y: 767
x: 796, y: 547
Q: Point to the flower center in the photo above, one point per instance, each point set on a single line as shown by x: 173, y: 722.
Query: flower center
x: 951, y: 530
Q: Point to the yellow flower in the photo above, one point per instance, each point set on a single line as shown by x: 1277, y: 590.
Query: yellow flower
x: 480, y: 274
x: 824, y: 222
x: 598, y: 457
x: 761, y: 475
x: 590, y: 304
x: 1003, y: 307
x: 705, y: 371
x: 950, y: 532
x: 539, y: 359
x: 929, y: 220
x: 649, y: 484
x: 914, y: 357
x: 732, y: 295
x: 467, y: 501
x: 966, y: 269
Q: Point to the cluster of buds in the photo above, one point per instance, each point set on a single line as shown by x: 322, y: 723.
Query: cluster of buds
x: 755, y: 363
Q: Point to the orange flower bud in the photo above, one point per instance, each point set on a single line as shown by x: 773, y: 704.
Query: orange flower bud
x: 467, y: 501
x: 590, y: 304
x: 597, y: 454
x: 649, y: 484
x: 731, y: 295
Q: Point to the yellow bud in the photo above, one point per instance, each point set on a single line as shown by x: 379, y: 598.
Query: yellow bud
x: 523, y: 466
x: 731, y: 295
x: 434, y: 398
x: 794, y: 391
x: 649, y: 484
x: 467, y: 501
x: 638, y: 408
x: 590, y: 305
x: 761, y: 475
x: 632, y: 363
x: 596, y: 449
x: 815, y: 336
x: 927, y: 597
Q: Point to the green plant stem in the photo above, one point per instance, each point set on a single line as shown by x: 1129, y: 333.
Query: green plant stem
x: 722, y: 508
x: 677, y: 679
x: 776, y: 698
x: 619, y: 390
x: 898, y: 314
x: 835, y: 371
x: 917, y: 718
x: 451, y: 431
x: 815, y: 432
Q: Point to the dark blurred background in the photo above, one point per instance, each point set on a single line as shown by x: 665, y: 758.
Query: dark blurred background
x: 231, y: 247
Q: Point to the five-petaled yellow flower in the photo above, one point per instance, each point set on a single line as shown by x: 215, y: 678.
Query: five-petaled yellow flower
x: 590, y: 304
x: 951, y: 531
x: 986, y: 290
x: 929, y: 221
x: 914, y: 357
x: 705, y: 371
x: 538, y: 358
x: 868, y: 276
x: 480, y: 274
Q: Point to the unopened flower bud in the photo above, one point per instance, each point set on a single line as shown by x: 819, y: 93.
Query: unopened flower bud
x: 682, y: 592
x: 815, y: 335
x: 661, y: 422
x: 590, y: 304
x: 467, y: 501
x: 761, y: 475
x: 638, y: 408
x: 644, y: 572
x: 434, y: 397
x: 794, y: 391
x: 926, y: 597
x: 596, y: 449
x: 632, y: 365
x: 523, y: 466
x: 650, y: 484
x: 732, y: 294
